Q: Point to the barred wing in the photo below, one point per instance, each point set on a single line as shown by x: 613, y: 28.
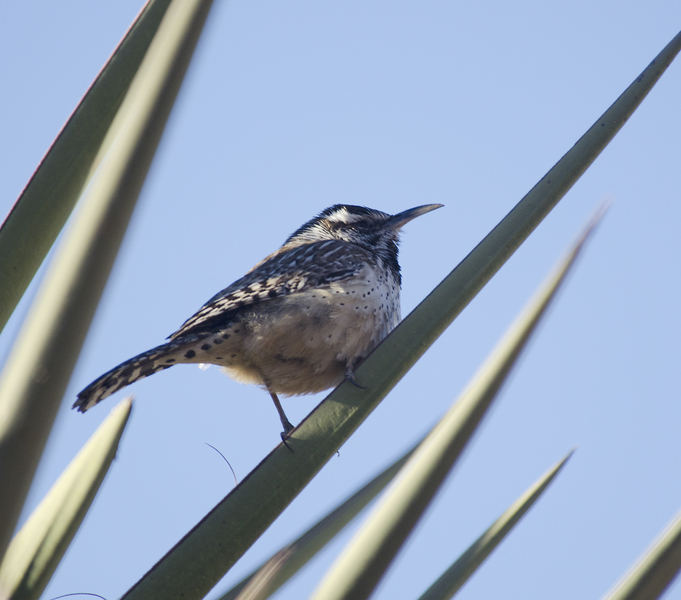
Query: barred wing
x: 301, y: 268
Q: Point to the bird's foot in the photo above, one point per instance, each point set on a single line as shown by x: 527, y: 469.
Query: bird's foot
x: 288, y: 428
x: 350, y: 376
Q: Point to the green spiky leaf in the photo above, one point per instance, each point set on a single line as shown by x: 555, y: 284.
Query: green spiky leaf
x: 38, y: 369
x: 455, y: 576
x: 40, y: 212
x: 40, y: 544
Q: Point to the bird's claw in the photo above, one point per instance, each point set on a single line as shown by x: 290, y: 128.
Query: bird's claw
x: 350, y: 376
x: 288, y: 428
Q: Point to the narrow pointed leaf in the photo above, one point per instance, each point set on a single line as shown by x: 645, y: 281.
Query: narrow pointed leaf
x: 407, y: 343
x: 40, y: 364
x: 46, y: 202
x: 283, y: 565
x: 40, y: 544
x: 204, y: 553
x: 650, y: 576
x: 364, y: 561
x: 453, y: 578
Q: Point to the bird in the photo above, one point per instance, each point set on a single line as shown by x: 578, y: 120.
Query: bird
x: 301, y: 320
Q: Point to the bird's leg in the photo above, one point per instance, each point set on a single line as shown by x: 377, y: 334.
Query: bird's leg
x: 350, y: 372
x: 288, y: 428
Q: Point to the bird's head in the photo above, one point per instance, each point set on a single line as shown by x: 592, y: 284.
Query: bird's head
x: 372, y: 229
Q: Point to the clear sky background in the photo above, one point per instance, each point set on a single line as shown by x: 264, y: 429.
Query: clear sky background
x: 290, y: 107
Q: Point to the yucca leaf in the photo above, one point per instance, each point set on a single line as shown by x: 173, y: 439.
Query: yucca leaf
x: 41, y: 210
x: 198, y: 561
x: 37, y: 548
x: 364, y: 561
x: 455, y: 576
x: 40, y: 364
x: 648, y: 578
x: 284, y: 564
x: 280, y: 567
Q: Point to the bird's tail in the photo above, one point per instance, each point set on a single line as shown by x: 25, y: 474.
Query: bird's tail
x: 141, y: 366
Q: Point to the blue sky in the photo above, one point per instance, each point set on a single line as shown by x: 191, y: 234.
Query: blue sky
x: 290, y: 107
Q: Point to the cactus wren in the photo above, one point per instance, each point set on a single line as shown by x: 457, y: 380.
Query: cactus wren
x: 301, y: 320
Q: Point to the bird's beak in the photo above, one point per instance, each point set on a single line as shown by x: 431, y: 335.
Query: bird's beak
x: 400, y: 219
